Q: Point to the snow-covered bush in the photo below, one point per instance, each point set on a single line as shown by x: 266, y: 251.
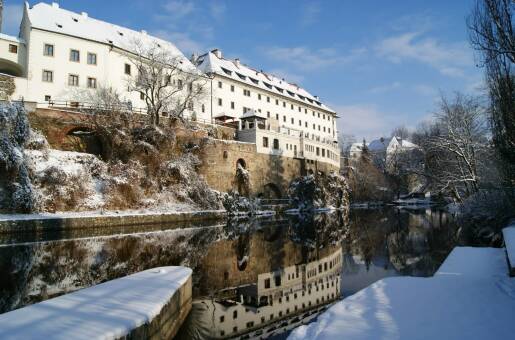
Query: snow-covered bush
x: 319, y: 191
x: 15, y: 183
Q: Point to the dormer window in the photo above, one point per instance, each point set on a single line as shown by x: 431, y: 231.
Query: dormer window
x: 229, y: 73
x: 75, y: 19
x: 268, y: 85
x: 242, y: 77
x: 121, y: 34
x: 291, y: 93
x: 59, y: 25
x: 255, y: 81
x: 279, y: 89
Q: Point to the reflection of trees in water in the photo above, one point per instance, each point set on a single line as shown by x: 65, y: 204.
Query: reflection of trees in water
x: 415, y: 243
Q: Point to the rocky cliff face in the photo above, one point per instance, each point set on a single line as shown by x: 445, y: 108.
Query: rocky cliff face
x: 320, y: 191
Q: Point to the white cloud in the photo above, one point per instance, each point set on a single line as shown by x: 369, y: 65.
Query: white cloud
x: 306, y: 59
x: 448, y: 59
x: 218, y: 10
x: 182, y: 40
x: 365, y: 121
x: 425, y: 90
x: 11, y: 19
x: 179, y: 8
x: 310, y: 13
x: 386, y: 88
x: 288, y: 76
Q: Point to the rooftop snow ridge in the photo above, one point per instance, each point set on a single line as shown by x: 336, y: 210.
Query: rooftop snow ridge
x: 213, y: 62
x: 55, y: 19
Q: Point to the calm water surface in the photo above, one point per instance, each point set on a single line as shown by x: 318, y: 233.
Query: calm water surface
x: 251, y: 278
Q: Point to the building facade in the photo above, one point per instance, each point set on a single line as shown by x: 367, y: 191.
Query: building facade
x: 62, y: 56
x: 280, y: 117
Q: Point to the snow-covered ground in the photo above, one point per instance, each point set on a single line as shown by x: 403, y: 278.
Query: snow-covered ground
x: 470, y: 297
x: 509, y: 241
x: 108, y: 310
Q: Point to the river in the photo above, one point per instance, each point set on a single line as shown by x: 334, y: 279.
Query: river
x: 251, y: 278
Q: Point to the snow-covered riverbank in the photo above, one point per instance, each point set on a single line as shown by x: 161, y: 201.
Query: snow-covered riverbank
x: 470, y: 297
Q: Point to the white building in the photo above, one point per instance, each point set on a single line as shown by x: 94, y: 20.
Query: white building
x: 59, y: 55
x: 278, y: 301
x: 280, y: 117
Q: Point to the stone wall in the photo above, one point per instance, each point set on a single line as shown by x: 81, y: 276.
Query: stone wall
x: 220, y: 159
x: 219, y: 156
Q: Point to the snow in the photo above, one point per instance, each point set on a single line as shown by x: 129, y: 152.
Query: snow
x: 210, y: 63
x: 509, y: 241
x: 179, y: 209
x: 470, y: 297
x: 47, y: 17
x: 107, y: 310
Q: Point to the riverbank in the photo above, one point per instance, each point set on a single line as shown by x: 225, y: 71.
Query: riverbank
x: 10, y: 223
x: 470, y: 297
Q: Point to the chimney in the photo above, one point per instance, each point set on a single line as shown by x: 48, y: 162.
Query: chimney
x: 55, y: 5
x: 84, y: 14
x: 217, y: 52
x: 143, y: 32
x: 193, y: 59
x: 317, y: 98
x: 237, y: 62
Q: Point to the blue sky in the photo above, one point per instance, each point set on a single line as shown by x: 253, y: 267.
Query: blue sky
x: 378, y: 63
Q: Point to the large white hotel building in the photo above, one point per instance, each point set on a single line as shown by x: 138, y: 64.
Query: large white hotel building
x: 59, y: 55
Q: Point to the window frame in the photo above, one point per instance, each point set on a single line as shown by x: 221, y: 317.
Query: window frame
x: 88, y: 59
x: 78, y: 55
x: 51, y: 76
x: 94, y: 82
x: 45, y: 45
x: 70, y: 75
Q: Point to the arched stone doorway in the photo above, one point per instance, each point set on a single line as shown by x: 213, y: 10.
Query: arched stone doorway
x: 83, y: 139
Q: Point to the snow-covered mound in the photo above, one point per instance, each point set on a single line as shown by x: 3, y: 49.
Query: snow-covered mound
x: 470, y: 297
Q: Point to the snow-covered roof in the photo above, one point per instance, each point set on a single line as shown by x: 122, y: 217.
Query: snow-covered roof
x: 379, y: 144
x: 55, y: 19
x: 234, y: 69
x: 11, y: 38
x: 382, y: 144
x: 356, y: 147
x: 253, y: 113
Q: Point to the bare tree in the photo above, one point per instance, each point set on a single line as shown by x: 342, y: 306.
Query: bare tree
x: 401, y: 132
x: 7, y: 87
x: 493, y: 36
x: 456, y: 145
x: 165, y: 82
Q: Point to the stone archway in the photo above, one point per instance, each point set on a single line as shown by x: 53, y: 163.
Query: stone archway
x: 83, y: 139
x: 241, y: 162
x: 271, y: 191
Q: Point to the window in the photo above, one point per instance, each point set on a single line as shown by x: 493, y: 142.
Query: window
x: 219, y: 101
x: 284, y: 104
x: 267, y: 114
x: 284, y: 119
x: 268, y: 99
x: 92, y: 58
x: 232, y: 88
x: 219, y: 84
x: 235, y: 314
x: 277, y: 278
x: 179, y: 84
x: 276, y: 147
x: 277, y: 102
x: 13, y: 48
x: 128, y: 69
x: 48, y: 76
x: 203, y: 108
x: 292, y: 106
x: 246, y: 92
x: 47, y: 98
x: 222, y: 318
x: 265, y: 145
x: 300, y: 122
x: 48, y: 50
x: 259, y: 96
x: 250, y: 324
x: 277, y: 116
x: 141, y: 96
x: 190, y: 105
x: 75, y: 56
x: 232, y: 105
x: 92, y: 83
x: 73, y: 80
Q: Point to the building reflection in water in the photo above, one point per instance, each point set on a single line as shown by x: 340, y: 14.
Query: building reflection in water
x: 278, y: 301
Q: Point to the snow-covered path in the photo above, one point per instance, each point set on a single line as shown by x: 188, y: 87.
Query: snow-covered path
x: 470, y: 297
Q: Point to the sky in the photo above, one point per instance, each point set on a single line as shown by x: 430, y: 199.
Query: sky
x: 379, y: 64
